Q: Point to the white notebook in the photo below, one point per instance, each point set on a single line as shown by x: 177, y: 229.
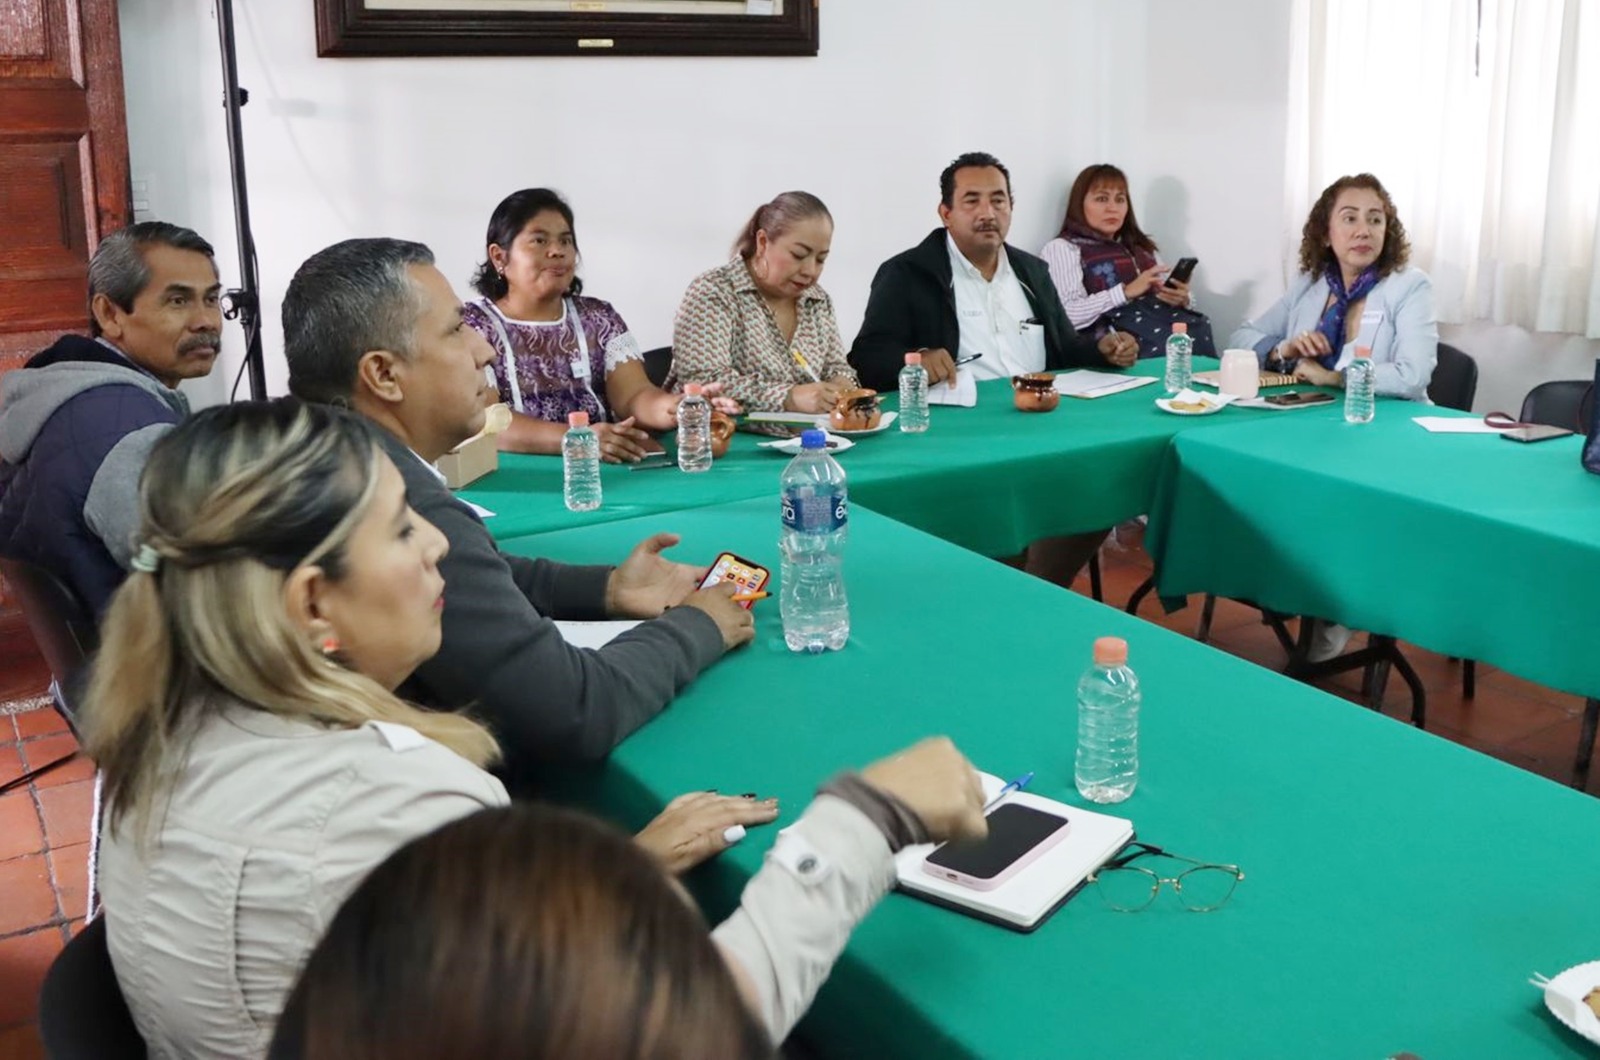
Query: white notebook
x: 1028, y: 899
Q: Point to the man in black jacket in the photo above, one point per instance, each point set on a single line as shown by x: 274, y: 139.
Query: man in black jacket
x: 963, y: 293
x: 917, y: 301
x: 372, y: 324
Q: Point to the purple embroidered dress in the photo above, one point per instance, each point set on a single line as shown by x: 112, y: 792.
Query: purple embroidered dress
x: 554, y: 367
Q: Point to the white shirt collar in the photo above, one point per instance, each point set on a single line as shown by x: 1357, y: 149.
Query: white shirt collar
x: 960, y: 264
x: 436, y: 472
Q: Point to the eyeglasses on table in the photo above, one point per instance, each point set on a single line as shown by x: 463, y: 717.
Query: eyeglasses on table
x: 1128, y: 888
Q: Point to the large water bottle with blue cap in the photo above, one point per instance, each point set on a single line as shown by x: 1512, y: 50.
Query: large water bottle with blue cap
x: 816, y: 514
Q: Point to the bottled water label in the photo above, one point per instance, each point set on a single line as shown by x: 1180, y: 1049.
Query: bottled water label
x: 814, y: 513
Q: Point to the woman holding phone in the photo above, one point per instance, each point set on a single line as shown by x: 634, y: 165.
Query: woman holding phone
x: 257, y: 763
x: 1106, y: 273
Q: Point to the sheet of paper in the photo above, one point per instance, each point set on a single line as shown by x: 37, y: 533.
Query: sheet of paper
x: 594, y: 634
x: 478, y: 509
x: 963, y: 392
x: 1455, y: 425
x: 1087, y: 383
x: 794, y: 419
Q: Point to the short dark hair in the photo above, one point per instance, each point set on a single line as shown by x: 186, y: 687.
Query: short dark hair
x: 518, y: 931
x: 353, y: 297
x: 970, y: 160
x: 1316, y: 255
x: 507, y: 222
x: 118, y: 269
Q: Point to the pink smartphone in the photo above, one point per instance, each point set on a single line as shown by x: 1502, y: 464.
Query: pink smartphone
x: 1018, y: 834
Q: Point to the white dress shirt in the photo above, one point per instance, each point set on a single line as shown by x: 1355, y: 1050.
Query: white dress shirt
x: 995, y: 319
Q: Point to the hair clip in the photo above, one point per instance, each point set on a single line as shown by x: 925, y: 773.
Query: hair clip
x: 147, y: 560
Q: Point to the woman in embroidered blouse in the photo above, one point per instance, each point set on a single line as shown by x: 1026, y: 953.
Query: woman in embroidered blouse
x: 1104, y: 266
x: 760, y: 325
x: 1355, y: 286
x: 557, y: 351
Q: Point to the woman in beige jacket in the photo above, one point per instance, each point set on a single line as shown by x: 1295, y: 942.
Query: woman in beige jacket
x: 257, y: 763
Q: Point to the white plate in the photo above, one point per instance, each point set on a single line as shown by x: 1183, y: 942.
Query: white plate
x: 1165, y: 405
x: 1564, y: 995
x: 883, y: 425
x: 791, y: 446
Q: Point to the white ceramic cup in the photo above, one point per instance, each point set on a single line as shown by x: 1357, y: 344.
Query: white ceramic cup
x: 1241, y: 375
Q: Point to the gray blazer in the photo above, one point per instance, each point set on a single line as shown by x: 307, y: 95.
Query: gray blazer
x: 271, y: 823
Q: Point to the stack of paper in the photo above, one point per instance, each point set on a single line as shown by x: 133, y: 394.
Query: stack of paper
x: 962, y: 391
x: 1086, y: 383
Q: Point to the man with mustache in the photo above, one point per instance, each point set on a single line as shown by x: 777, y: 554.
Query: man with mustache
x: 78, y: 420
x: 964, y: 292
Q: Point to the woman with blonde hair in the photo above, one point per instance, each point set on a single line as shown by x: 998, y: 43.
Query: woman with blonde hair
x: 257, y: 763
x: 761, y: 325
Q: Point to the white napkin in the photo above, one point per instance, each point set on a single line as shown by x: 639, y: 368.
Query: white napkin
x: 1455, y: 425
x: 1216, y: 401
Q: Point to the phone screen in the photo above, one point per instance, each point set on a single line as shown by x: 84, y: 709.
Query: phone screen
x: 1299, y: 397
x: 749, y: 577
x: 1182, y: 270
x: 1538, y: 432
x: 1014, y: 829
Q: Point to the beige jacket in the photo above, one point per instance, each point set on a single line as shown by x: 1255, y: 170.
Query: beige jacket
x: 271, y: 824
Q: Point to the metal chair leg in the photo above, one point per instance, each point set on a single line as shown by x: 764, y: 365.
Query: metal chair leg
x: 1469, y: 679
x: 1095, y: 588
x: 1145, y: 588
x: 1591, y: 721
x: 1208, y: 610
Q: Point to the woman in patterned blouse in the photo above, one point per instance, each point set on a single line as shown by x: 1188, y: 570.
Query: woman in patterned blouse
x: 556, y: 351
x: 760, y: 325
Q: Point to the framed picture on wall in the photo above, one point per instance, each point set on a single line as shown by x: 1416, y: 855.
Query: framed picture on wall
x: 566, y: 27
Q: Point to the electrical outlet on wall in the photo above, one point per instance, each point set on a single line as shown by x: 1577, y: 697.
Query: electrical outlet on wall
x: 140, y: 204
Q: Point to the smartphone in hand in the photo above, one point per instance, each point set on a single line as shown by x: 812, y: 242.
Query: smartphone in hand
x: 1182, y: 271
x: 748, y: 577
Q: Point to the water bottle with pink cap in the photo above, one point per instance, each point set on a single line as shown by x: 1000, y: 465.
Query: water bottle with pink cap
x: 1108, y: 725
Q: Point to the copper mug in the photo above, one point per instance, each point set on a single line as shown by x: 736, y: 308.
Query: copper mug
x: 856, y: 410
x: 1035, y: 392
x: 722, y: 426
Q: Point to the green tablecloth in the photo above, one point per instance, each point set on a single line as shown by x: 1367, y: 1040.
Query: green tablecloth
x: 1466, y: 544
x: 988, y: 478
x: 1376, y: 915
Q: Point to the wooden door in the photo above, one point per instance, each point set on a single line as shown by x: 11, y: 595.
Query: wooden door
x: 63, y: 163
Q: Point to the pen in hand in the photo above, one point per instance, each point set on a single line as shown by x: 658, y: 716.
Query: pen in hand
x: 968, y: 359
x: 1016, y: 785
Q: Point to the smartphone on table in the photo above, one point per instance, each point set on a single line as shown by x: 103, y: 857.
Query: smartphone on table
x: 1535, y: 432
x: 1299, y: 397
x: 1182, y: 271
x: 1018, y: 835
x: 746, y: 576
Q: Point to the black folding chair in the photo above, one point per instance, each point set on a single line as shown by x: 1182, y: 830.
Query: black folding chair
x: 82, y: 1013
x: 66, y: 634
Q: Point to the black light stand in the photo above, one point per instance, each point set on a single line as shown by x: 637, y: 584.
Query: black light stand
x: 243, y: 303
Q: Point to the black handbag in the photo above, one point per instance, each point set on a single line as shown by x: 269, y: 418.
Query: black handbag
x: 1591, y: 444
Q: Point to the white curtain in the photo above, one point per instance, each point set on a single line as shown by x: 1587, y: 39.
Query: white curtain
x: 1482, y: 118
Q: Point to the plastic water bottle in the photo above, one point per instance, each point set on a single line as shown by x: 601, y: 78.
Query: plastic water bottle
x: 694, y: 430
x: 913, y: 395
x: 1360, y: 389
x: 816, y: 512
x: 580, y: 464
x: 1180, y: 358
x: 1108, y: 725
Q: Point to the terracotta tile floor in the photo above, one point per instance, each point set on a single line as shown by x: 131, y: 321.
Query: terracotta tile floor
x: 44, y: 827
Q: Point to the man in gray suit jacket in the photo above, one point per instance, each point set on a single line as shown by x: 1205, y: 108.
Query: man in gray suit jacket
x: 372, y: 324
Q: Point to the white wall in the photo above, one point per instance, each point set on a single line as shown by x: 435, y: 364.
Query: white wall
x: 663, y: 159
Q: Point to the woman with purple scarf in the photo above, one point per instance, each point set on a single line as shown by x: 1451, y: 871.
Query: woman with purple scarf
x: 1355, y: 290
x: 1106, y: 272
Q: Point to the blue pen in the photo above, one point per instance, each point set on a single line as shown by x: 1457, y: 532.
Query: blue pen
x: 1016, y: 785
